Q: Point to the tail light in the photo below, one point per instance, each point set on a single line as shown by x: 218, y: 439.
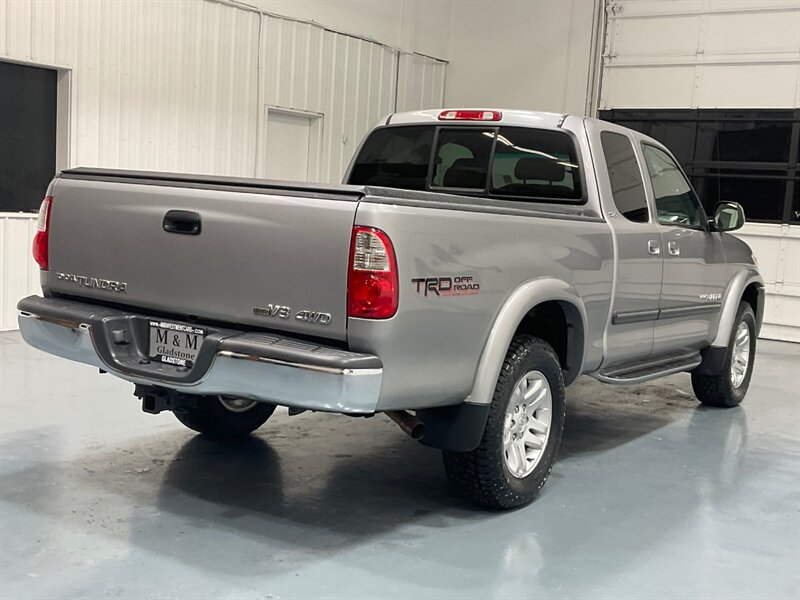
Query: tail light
x: 41, y: 241
x: 372, y: 287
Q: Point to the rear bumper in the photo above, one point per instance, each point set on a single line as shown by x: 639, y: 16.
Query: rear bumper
x: 260, y: 366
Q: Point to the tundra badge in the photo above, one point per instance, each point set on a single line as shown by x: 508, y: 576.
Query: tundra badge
x: 94, y: 282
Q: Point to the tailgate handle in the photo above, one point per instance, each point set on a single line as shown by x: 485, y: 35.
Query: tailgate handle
x: 182, y: 221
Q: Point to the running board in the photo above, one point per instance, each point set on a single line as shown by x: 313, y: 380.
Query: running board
x: 652, y: 369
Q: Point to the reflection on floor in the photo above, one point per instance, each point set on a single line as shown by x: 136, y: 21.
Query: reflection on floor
x: 652, y: 496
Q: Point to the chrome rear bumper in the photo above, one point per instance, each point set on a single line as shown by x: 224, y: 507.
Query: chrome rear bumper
x: 260, y: 366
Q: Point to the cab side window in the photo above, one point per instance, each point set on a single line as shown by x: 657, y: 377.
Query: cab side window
x: 627, y: 187
x: 676, y: 203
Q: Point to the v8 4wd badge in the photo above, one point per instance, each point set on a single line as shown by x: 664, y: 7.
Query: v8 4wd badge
x: 280, y: 311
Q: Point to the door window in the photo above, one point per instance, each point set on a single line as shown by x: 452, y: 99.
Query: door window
x: 625, y: 177
x: 676, y: 203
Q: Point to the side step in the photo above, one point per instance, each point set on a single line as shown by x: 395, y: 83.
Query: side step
x: 651, y: 369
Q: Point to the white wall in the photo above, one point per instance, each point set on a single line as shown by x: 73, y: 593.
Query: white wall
x: 420, y: 83
x: 421, y: 26
x: 532, y: 55
x: 19, y: 274
x: 716, y: 54
x: 183, y: 85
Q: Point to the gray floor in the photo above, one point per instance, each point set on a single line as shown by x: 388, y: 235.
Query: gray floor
x: 652, y: 497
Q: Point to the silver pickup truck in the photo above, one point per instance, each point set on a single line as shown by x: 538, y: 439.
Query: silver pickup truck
x: 474, y: 264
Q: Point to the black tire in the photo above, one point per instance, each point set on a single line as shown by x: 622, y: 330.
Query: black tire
x: 210, y: 417
x: 482, y: 474
x: 719, y: 390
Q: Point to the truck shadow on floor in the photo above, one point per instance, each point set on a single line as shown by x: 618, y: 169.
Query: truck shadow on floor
x: 305, y: 487
x: 601, y: 417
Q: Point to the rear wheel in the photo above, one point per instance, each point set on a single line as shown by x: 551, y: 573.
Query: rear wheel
x: 523, y: 430
x: 225, y: 416
x: 728, y: 388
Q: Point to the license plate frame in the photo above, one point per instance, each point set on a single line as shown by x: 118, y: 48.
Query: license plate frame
x: 173, y: 343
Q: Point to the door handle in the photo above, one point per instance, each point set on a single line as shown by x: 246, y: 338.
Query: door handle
x: 653, y: 247
x: 182, y: 221
x: 673, y: 248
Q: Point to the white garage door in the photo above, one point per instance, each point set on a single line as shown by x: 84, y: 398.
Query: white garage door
x: 728, y: 70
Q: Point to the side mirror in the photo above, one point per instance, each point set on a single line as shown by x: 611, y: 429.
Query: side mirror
x: 728, y: 216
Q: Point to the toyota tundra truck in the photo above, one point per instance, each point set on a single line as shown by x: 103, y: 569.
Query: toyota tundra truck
x: 473, y: 264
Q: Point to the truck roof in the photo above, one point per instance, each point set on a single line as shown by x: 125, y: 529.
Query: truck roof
x: 519, y: 118
x: 525, y: 118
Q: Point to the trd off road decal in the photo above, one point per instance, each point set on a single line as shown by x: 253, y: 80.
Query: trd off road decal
x: 460, y: 285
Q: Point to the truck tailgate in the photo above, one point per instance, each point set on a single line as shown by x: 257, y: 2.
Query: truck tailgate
x: 264, y: 256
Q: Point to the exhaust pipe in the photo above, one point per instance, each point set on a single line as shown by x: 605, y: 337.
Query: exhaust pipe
x: 408, y: 423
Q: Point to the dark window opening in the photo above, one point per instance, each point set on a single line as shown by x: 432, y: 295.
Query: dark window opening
x: 751, y: 193
x: 514, y: 163
x: 27, y: 135
x: 749, y: 141
x: 627, y: 187
x: 395, y: 157
x: 746, y: 156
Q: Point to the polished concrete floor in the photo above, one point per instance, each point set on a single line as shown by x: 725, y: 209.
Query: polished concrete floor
x: 652, y: 497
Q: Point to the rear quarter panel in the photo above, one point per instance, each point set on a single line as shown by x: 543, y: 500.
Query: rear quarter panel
x: 432, y: 346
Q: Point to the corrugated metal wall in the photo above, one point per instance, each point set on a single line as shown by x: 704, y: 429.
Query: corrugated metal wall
x: 183, y: 85
x: 350, y: 81
x: 715, y: 54
x: 155, y: 85
x: 420, y: 83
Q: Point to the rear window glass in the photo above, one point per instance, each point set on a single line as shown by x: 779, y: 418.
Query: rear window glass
x: 395, y: 157
x: 462, y: 158
x: 535, y: 163
x: 516, y: 163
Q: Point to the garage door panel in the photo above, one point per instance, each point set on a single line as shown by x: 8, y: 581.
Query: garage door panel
x: 782, y: 315
x: 655, y: 87
x: 791, y: 274
x: 658, y: 37
x: 750, y: 5
x: 748, y: 86
x: 752, y: 32
x: 638, y: 8
x: 766, y: 249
